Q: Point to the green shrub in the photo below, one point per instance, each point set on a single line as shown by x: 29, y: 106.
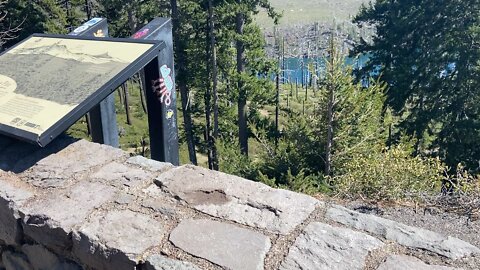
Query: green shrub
x: 390, y: 175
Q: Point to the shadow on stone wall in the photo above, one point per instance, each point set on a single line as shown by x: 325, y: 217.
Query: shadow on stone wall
x: 17, y: 156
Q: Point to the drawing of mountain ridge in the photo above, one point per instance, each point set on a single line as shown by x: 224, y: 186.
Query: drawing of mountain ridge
x: 60, y: 80
x: 59, y: 50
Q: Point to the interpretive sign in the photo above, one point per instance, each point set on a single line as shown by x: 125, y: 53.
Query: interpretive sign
x: 48, y: 82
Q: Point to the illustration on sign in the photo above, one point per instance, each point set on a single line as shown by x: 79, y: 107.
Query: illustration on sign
x: 169, y: 114
x: 141, y: 34
x: 80, y: 29
x: 163, y: 87
x: 92, y: 21
x: 99, y: 33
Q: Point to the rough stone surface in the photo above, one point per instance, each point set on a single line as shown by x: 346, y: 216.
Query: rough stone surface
x: 116, y: 240
x: 32, y: 154
x: 237, y: 199
x: 79, y: 205
x: 119, y: 174
x: 15, y: 261
x: 402, y: 262
x: 50, y: 220
x: 2, y: 266
x: 322, y: 246
x: 66, y: 166
x: 148, y: 164
x: 223, y: 244
x: 159, y: 262
x: 447, y: 246
x: 12, y: 195
x: 42, y: 259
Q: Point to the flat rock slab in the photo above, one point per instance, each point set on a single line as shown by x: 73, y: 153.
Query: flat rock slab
x: 121, y: 175
x: 21, y: 156
x: 402, y: 262
x: 159, y: 262
x: 116, y: 240
x: 13, y: 194
x: 64, y: 167
x: 413, y: 237
x: 237, y: 199
x: 15, y: 261
x: 40, y: 258
x: 223, y: 244
x: 149, y: 164
x: 322, y: 246
x: 49, y: 220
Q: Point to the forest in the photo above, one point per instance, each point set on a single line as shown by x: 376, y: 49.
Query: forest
x: 404, y: 125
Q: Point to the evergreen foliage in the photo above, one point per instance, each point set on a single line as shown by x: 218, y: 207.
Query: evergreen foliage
x: 356, y: 141
x: 428, y: 54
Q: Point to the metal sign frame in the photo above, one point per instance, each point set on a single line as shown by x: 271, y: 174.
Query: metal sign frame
x: 151, y: 55
x: 161, y: 102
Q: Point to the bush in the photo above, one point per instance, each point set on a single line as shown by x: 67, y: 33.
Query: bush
x: 390, y: 175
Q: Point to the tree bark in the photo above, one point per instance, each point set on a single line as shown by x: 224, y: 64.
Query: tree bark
x: 242, y: 95
x: 277, y: 98
x: 330, y: 108
x: 213, y: 51
x: 127, y: 103
x: 88, y: 9
x: 208, y: 95
x: 184, y: 92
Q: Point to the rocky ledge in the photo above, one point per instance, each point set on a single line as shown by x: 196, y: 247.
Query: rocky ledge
x: 80, y: 205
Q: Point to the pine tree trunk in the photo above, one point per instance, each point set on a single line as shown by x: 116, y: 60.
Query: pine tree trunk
x: 330, y: 108
x: 296, y: 88
x: 132, y: 20
x: 277, y: 98
x: 208, y: 95
x: 127, y: 103
x: 277, y: 107
x: 184, y: 92
x: 88, y: 10
x: 141, y: 75
x: 213, y: 51
x: 242, y: 95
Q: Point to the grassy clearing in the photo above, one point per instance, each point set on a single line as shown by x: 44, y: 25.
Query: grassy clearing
x: 131, y: 136
x: 305, y: 12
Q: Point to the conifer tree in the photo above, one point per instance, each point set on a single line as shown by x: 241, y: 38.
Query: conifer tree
x: 427, y: 52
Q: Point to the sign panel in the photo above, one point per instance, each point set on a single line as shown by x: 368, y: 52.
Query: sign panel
x: 48, y: 82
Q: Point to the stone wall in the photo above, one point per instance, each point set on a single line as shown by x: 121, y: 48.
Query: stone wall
x: 80, y: 205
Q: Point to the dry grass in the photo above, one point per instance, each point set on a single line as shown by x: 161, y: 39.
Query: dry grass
x: 303, y: 12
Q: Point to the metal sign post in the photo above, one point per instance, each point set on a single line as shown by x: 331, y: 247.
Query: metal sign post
x: 102, y: 118
x: 161, y: 94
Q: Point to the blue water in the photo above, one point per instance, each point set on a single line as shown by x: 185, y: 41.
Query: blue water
x: 300, y: 69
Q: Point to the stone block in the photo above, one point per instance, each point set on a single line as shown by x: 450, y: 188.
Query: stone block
x: 63, y: 168
x: 42, y: 259
x: 149, y: 164
x: 159, y: 262
x: 224, y: 244
x: 15, y: 261
x: 50, y: 219
x: 237, y: 199
x: 13, y: 194
x: 123, y: 176
x: 409, y: 236
x: 322, y: 246
x: 402, y: 262
x: 116, y: 240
